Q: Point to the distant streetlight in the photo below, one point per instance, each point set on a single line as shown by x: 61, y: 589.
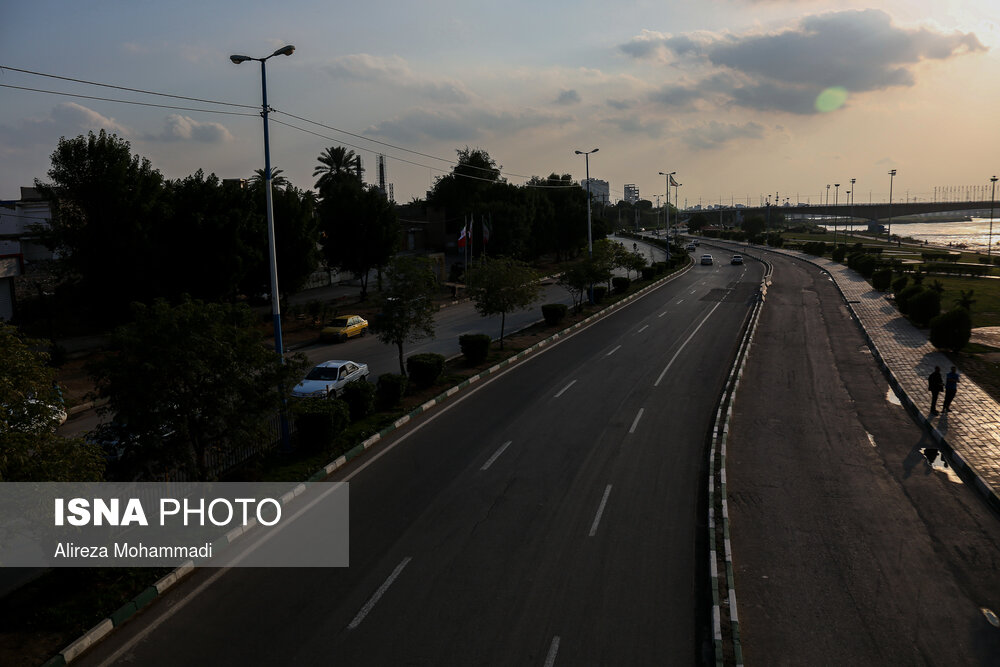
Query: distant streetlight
x: 828, y: 195
x: 275, y: 304
x: 852, y: 201
x: 668, y: 174
x: 590, y: 238
x: 836, y: 198
x: 993, y: 194
x: 892, y: 174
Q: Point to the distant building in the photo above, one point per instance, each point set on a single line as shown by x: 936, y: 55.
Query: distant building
x: 631, y: 193
x: 21, y: 247
x: 599, y: 190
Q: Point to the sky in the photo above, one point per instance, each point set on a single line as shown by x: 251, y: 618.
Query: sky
x: 741, y: 98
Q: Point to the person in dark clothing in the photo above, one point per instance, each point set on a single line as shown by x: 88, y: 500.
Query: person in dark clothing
x: 935, y: 384
x: 950, y: 388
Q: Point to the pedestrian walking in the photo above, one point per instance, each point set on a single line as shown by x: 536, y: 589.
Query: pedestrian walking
x: 950, y: 388
x: 935, y: 384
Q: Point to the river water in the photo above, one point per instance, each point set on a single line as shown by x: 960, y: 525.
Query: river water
x: 974, y: 234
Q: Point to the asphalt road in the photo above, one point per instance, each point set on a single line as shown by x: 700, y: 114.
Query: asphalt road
x: 554, y: 515
x: 853, y: 543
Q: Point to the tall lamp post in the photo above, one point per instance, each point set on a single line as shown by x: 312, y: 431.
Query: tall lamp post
x: 275, y: 302
x: 836, y: 198
x: 993, y: 194
x: 852, y: 202
x: 668, y: 174
x: 590, y: 238
x: 892, y: 174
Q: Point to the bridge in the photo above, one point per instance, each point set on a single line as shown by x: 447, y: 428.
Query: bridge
x: 875, y: 213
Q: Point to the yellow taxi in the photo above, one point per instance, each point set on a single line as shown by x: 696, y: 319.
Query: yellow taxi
x: 342, y: 328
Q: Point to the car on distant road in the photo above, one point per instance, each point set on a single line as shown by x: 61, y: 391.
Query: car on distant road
x: 342, y: 328
x: 706, y: 259
x: 329, y: 379
x: 691, y: 246
x: 737, y: 259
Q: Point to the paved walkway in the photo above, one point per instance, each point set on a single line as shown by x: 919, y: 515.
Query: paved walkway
x: 971, y: 430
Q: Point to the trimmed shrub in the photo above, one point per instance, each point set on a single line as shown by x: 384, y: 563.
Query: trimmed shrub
x: 600, y: 291
x: 360, y: 398
x: 620, y: 284
x: 839, y: 253
x: 554, y: 313
x: 425, y: 369
x: 318, y: 421
x: 476, y: 347
x: 924, y: 307
x: 881, y: 279
x: 650, y: 272
x: 390, y: 389
x: 660, y: 267
x: 904, y: 295
x: 951, y: 330
x: 900, y: 283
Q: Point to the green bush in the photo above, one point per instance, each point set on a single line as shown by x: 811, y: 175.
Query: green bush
x: 900, y: 283
x: 318, y: 421
x: 600, y: 291
x: 951, y: 330
x: 620, y: 284
x: 904, y: 296
x: 425, y: 369
x: 476, y: 347
x: 554, y: 313
x: 390, y: 390
x: 881, y: 279
x: 863, y: 263
x: 924, y: 306
x: 360, y: 398
x: 659, y: 267
x: 649, y: 272
x: 839, y: 253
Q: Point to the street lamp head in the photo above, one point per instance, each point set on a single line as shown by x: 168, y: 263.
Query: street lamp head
x: 892, y: 172
x: 284, y: 51
x: 240, y: 59
x: 993, y: 180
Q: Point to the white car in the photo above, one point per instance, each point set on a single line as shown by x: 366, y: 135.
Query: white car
x: 706, y: 259
x: 691, y: 246
x: 329, y: 379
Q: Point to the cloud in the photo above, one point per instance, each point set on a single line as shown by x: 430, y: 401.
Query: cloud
x: 396, y: 72
x: 66, y: 119
x: 568, y: 97
x: 184, y: 128
x: 860, y: 51
x: 464, y: 127
x: 631, y: 124
x: 715, y: 134
x: 620, y: 105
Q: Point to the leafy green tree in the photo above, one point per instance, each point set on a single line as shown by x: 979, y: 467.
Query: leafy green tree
x: 337, y: 164
x: 277, y: 180
x: 699, y: 220
x: 30, y: 404
x: 633, y: 261
x: 190, y: 379
x: 360, y: 231
x: 501, y: 285
x: 106, y: 204
x: 578, y: 277
x: 406, y: 306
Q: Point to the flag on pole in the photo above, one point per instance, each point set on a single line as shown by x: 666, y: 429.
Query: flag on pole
x: 673, y: 182
x: 487, y: 228
x: 462, y: 237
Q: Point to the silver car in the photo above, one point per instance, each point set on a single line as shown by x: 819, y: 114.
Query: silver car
x: 329, y: 379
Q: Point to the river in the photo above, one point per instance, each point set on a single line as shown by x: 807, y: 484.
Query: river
x: 974, y: 234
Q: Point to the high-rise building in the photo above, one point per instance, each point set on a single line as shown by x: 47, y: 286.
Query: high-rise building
x: 599, y: 190
x: 631, y: 193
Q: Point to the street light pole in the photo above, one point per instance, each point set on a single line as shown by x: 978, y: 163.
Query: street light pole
x: 667, y: 175
x: 836, y: 198
x: 892, y: 174
x: 993, y: 194
x: 852, y: 202
x: 275, y: 301
x: 590, y: 237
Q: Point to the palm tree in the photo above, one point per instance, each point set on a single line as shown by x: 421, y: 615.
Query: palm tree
x: 277, y: 180
x: 335, y: 163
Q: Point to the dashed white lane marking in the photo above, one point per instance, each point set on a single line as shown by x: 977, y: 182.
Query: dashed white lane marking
x: 600, y: 511
x: 550, y: 659
x: 378, y: 595
x: 563, y: 390
x: 664, y: 312
x: 496, y: 455
x: 644, y: 327
x: 636, y: 422
x: 613, y: 351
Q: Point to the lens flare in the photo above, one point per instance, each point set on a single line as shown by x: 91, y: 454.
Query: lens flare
x: 831, y: 99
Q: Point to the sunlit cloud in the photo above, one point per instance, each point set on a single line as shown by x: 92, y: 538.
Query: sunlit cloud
x: 185, y: 128
x: 66, y: 119
x: 396, y: 72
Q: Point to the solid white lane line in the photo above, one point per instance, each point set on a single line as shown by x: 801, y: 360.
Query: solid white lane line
x: 644, y: 327
x: 563, y: 390
x: 600, y: 511
x: 683, y: 345
x: 496, y: 455
x: 613, y: 351
x: 550, y: 659
x: 636, y: 422
x: 378, y: 595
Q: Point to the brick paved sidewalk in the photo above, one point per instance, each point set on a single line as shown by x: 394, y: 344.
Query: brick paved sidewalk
x: 971, y: 430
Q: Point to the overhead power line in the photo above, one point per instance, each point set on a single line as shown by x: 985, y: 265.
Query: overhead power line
x: 141, y: 104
